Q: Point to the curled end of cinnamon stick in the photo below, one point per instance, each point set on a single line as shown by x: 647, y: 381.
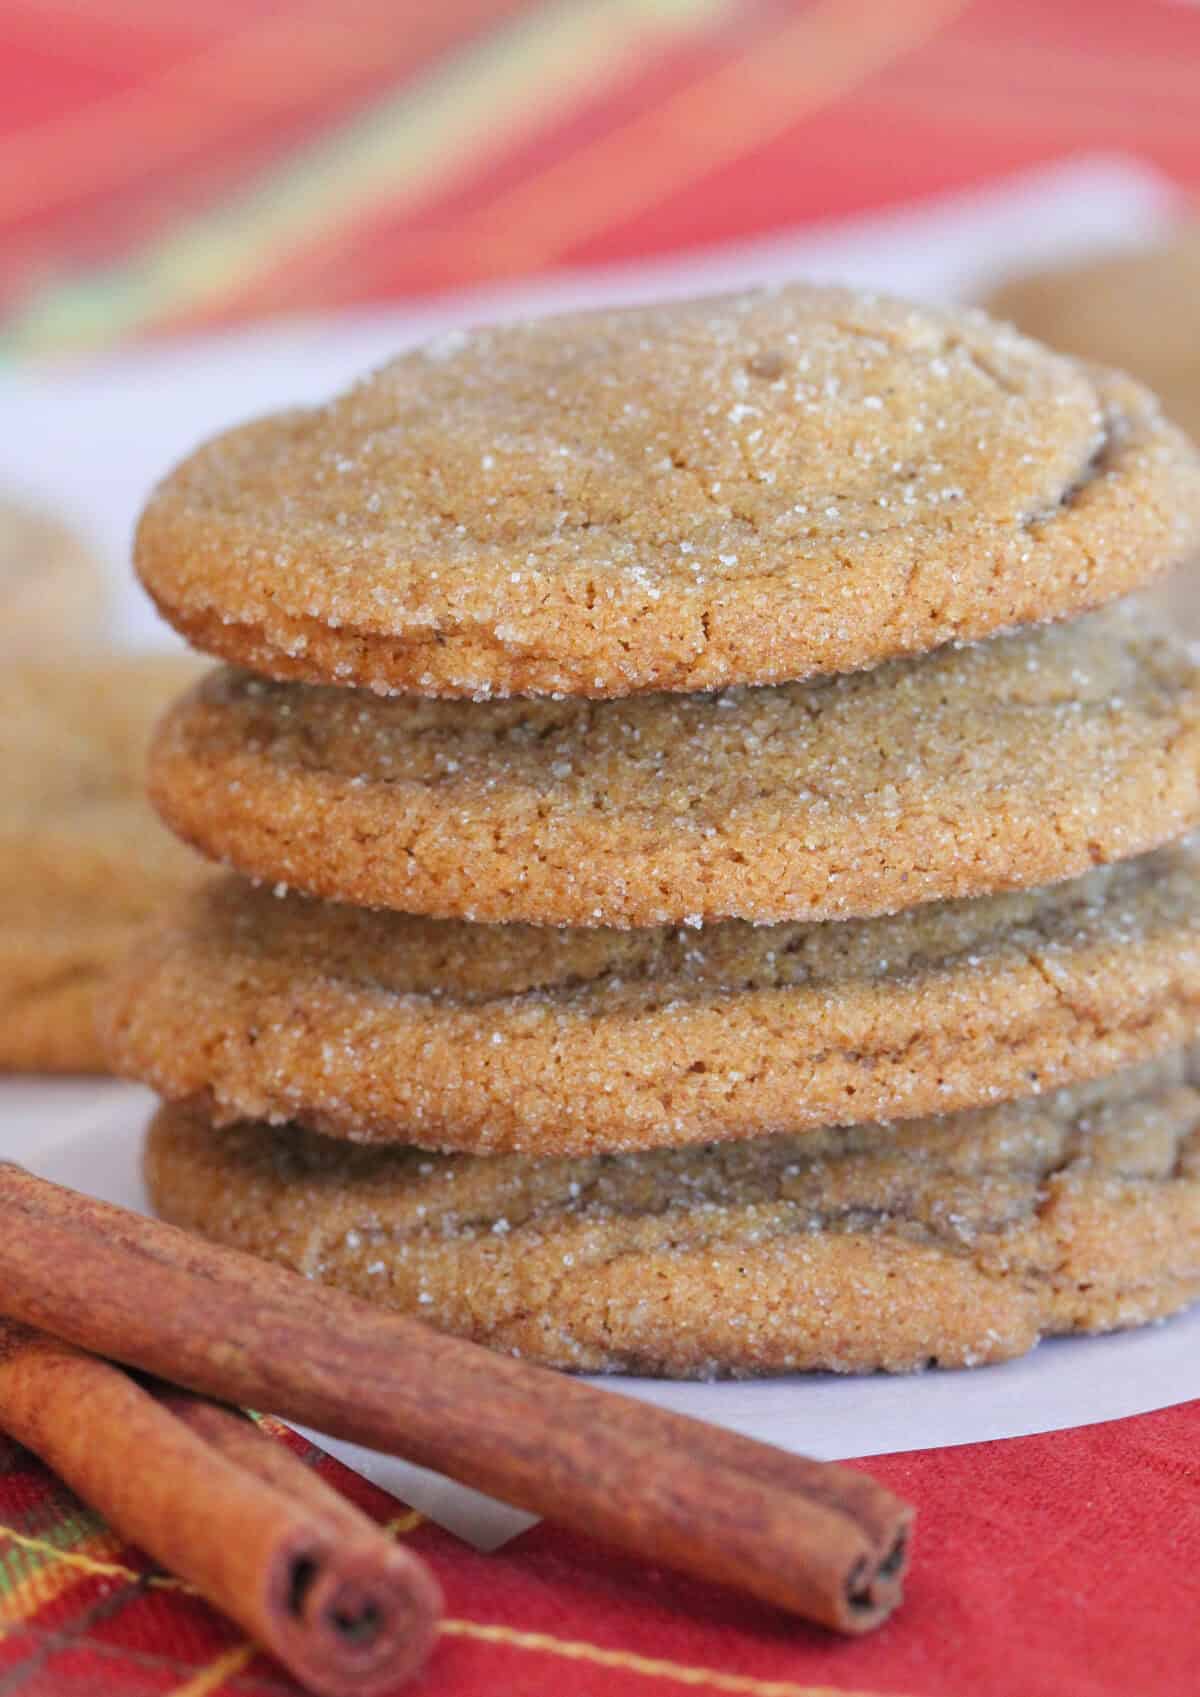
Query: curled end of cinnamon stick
x: 352, y: 1619
x: 875, y: 1584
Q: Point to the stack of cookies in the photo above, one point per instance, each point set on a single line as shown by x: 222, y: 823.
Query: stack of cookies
x: 709, y: 814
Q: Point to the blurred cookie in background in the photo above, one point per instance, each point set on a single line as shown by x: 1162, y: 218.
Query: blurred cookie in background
x: 83, y: 860
x: 1179, y: 594
x: 1138, y: 310
x: 54, y: 594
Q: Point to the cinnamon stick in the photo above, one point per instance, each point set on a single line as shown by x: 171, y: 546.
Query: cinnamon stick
x: 233, y: 1434
x: 822, y: 1541
x: 213, y: 1500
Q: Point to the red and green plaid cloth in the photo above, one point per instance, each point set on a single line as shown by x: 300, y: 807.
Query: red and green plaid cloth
x: 165, y: 166
x: 1066, y: 1565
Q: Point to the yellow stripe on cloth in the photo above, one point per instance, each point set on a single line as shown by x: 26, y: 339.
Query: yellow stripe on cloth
x: 819, y: 56
x: 58, y: 1569
x: 652, y: 1667
x: 209, y: 1678
x: 403, y: 1524
x: 95, y: 1566
x: 212, y: 1677
x: 395, y: 153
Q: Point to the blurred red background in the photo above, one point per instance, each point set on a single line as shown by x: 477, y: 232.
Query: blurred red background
x: 164, y: 165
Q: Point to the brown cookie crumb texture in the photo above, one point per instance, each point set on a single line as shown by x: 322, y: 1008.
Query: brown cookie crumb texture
x: 954, y: 1241
x: 377, y: 1026
x: 748, y: 489
x: 1019, y: 761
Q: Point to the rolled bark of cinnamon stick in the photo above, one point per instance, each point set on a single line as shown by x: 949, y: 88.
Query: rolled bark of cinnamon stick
x: 233, y: 1434
x: 822, y: 1541
x: 349, y: 1612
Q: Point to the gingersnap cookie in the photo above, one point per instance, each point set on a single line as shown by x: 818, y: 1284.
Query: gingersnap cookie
x: 378, y: 1026
x: 83, y: 861
x: 947, y: 1241
x: 1138, y: 309
x: 1018, y: 761
x: 748, y: 489
x: 53, y: 593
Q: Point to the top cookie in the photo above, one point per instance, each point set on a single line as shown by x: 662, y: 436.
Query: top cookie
x: 1139, y: 310
x: 747, y: 489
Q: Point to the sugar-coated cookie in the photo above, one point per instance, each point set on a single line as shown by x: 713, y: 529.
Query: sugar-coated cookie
x: 748, y: 489
x: 518, y: 1038
x: 1018, y: 761
x: 955, y: 1241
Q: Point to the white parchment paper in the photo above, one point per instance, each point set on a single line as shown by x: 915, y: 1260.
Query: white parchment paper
x: 1067, y: 1382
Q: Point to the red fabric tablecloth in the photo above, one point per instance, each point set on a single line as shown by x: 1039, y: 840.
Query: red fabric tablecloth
x: 166, y: 166
x: 1066, y: 1565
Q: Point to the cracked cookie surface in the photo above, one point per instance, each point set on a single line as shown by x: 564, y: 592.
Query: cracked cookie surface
x: 379, y: 1026
x: 955, y: 1240
x: 747, y: 489
x: 84, y: 861
x: 1018, y: 761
